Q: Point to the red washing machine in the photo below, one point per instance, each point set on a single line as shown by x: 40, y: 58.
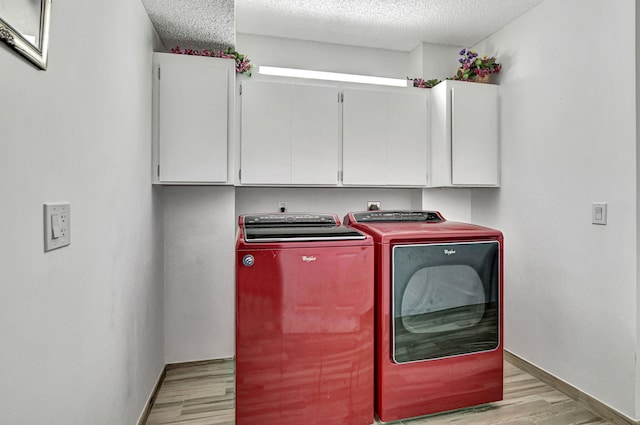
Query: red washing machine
x: 304, y: 321
x: 438, y: 312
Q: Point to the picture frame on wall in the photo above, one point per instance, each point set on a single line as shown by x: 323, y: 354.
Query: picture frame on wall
x: 24, y: 26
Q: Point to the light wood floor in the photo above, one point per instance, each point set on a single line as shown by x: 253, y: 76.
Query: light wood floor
x: 204, y: 395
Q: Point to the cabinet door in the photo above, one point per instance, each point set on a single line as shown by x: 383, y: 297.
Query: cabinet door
x: 440, y: 141
x: 384, y: 137
x: 474, y: 135
x: 265, y: 152
x: 315, y: 135
x: 407, y: 139
x: 290, y: 134
x: 192, y: 118
x: 364, y: 137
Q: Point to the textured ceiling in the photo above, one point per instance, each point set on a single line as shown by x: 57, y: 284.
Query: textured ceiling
x: 389, y: 24
x: 196, y: 24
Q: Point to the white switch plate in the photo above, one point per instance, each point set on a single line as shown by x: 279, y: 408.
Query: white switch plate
x: 57, y: 226
x: 599, y: 213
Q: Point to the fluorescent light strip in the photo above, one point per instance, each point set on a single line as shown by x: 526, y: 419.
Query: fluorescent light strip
x: 332, y: 76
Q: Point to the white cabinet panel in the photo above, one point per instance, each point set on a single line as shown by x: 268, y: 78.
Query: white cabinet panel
x: 440, y: 141
x: 385, y: 137
x: 266, y: 133
x: 192, y: 118
x: 464, y: 134
x: 407, y: 139
x: 315, y: 135
x: 290, y: 134
x: 474, y: 136
x: 364, y: 137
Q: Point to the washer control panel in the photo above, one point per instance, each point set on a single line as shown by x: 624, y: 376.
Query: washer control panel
x: 273, y: 220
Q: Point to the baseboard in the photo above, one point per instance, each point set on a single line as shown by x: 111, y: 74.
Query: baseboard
x: 152, y: 398
x: 170, y: 366
x: 585, y: 400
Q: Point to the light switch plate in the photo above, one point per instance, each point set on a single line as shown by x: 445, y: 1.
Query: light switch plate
x: 57, y: 225
x: 599, y: 213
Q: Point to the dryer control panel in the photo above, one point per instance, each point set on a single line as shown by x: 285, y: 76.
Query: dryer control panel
x: 398, y: 216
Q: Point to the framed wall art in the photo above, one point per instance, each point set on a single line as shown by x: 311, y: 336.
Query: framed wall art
x: 24, y: 25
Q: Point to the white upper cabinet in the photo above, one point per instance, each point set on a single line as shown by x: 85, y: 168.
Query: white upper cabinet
x: 193, y: 112
x: 385, y: 137
x: 290, y: 134
x: 265, y: 151
x: 464, y: 138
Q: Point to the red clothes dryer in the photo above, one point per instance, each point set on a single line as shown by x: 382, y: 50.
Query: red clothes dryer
x: 438, y: 312
x: 304, y: 321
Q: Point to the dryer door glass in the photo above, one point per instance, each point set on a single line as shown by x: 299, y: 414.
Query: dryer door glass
x: 445, y: 300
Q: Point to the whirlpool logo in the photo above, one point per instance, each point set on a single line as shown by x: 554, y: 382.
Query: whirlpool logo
x: 449, y: 251
x: 308, y: 259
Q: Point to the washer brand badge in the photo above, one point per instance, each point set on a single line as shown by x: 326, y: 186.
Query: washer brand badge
x: 449, y: 251
x: 248, y: 260
x: 308, y: 259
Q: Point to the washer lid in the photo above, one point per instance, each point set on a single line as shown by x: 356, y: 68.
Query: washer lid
x: 296, y: 228
x: 300, y: 234
x: 398, y: 216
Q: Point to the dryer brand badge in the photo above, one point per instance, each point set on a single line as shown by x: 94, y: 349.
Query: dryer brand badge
x: 449, y: 251
x: 308, y: 259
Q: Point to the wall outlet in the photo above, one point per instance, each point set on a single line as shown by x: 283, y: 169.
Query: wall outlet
x: 373, y: 205
x: 57, y: 226
x: 282, y: 206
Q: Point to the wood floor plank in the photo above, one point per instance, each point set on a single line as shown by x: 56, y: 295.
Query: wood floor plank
x: 203, y: 394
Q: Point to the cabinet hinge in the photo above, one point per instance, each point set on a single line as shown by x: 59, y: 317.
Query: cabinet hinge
x: 158, y: 170
x: 158, y: 73
x: 240, y: 174
x: 240, y: 89
x: 340, y: 97
x: 339, y: 176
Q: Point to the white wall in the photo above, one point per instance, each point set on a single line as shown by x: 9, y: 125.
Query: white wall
x: 324, y: 200
x: 199, y: 237
x: 453, y: 203
x: 300, y: 54
x: 637, y: 57
x: 80, y: 327
x: 429, y: 61
x: 568, y: 131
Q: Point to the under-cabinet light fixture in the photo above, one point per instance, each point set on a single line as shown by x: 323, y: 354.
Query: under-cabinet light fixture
x: 332, y: 76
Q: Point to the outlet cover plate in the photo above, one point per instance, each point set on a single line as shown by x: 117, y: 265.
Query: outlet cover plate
x: 373, y: 205
x: 57, y: 225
